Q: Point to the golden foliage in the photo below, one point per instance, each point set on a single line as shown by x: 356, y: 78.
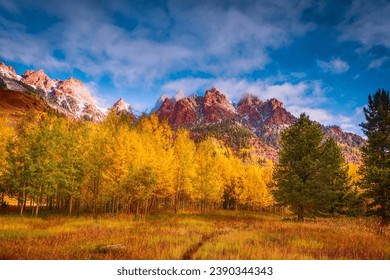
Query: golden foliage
x: 119, y: 166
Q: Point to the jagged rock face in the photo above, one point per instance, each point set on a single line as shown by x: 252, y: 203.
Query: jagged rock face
x: 38, y: 79
x: 213, y: 107
x: 216, y: 107
x: 274, y: 113
x: 69, y: 97
x: 165, y: 111
x: 182, y: 112
x: 349, y: 143
x: 343, y: 138
x: 122, y: 107
x: 255, y: 112
x: 8, y: 71
x: 73, y: 96
x: 179, y: 95
x: 266, y: 119
x: 75, y: 88
x: 249, y: 110
x: 159, y: 102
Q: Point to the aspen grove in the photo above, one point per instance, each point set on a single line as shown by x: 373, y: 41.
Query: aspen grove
x: 116, y: 166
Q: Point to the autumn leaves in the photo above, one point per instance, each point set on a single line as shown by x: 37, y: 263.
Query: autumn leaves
x: 115, y: 166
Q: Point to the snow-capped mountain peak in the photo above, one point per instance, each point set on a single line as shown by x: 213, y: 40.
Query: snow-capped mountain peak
x: 70, y: 97
x: 8, y: 71
x: 38, y: 79
x: 122, y: 105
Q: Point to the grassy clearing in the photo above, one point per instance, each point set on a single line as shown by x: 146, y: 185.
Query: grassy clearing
x: 223, y: 235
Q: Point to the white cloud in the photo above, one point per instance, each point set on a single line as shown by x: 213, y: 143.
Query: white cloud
x: 317, y: 114
x: 377, y: 63
x: 220, y: 38
x: 335, y: 66
x: 367, y: 22
x: 22, y: 47
x: 295, y: 96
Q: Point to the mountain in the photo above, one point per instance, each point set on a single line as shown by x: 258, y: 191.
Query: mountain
x: 8, y: 72
x: 213, y: 107
x: 250, y: 123
x: 179, y: 95
x: 15, y: 102
x: 16, y: 97
x: 122, y: 107
x: 266, y: 119
x: 69, y: 97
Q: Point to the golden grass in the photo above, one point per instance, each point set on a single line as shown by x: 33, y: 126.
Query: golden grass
x: 223, y: 235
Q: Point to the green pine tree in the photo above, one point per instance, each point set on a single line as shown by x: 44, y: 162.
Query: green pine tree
x: 376, y: 157
x: 311, y: 176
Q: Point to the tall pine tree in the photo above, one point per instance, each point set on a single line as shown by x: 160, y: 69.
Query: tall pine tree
x: 311, y: 176
x: 376, y: 157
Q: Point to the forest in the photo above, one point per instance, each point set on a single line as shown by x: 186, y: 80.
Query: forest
x: 141, y: 190
x: 115, y: 167
x: 142, y: 167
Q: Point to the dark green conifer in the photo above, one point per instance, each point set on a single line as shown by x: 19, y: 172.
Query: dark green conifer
x: 311, y: 177
x: 376, y: 157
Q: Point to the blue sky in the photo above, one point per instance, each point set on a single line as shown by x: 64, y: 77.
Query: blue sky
x: 318, y: 57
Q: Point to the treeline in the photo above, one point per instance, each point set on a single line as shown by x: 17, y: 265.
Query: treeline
x: 117, y: 166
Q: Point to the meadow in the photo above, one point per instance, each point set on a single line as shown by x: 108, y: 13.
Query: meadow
x: 219, y: 235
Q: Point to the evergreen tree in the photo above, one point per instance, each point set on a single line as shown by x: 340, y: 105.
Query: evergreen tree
x: 311, y: 176
x: 376, y: 157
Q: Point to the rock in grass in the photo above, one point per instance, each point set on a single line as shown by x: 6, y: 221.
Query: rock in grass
x: 111, y: 248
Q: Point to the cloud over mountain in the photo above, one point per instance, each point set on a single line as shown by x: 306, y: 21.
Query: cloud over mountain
x: 143, y: 49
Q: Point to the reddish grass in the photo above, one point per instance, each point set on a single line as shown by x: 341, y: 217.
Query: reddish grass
x: 224, y: 235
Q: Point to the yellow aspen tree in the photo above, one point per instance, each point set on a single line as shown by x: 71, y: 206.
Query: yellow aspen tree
x: 119, y: 152
x: 45, y: 158
x: 208, y: 183
x: 158, y: 146
x: 184, y: 168
x: 354, y: 174
x: 6, y: 135
x: 231, y: 172
x: 256, y: 181
x: 256, y: 193
x: 20, y: 162
x: 72, y: 164
x: 97, y: 160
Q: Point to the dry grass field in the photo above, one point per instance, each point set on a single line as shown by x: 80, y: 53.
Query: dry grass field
x: 221, y: 235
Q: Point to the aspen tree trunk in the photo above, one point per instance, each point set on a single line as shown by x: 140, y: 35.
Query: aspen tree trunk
x: 300, y: 213
x: 24, y: 200
x: 137, y: 211
x: 70, y: 205
x: 39, y: 197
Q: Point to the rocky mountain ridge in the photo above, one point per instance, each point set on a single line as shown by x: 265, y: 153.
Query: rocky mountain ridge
x: 250, y: 123
x: 265, y: 119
